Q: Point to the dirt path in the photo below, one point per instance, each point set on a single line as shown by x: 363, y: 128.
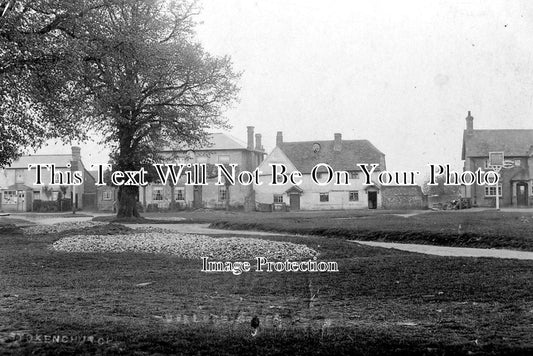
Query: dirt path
x: 204, y: 229
x: 452, y: 251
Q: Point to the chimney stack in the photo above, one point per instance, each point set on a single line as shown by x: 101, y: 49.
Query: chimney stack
x: 337, y: 146
x: 258, y: 144
x: 76, y: 158
x: 469, y: 123
x: 250, y: 142
x: 279, y: 138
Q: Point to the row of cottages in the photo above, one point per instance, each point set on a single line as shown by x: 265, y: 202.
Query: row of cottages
x: 18, y: 190
x: 224, y: 149
x: 340, y: 155
x: 516, y: 179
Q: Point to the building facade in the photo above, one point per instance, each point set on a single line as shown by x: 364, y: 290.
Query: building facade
x: 18, y: 189
x: 223, y: 149
x: 340, y: 155
x: 516, y: 178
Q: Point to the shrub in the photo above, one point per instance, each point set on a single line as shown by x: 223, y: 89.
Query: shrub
x: 152, y: 208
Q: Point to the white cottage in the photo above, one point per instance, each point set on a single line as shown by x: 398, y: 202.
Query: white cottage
x: 340, y: 155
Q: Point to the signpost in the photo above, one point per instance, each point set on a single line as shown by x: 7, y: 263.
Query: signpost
x: 496, y: 162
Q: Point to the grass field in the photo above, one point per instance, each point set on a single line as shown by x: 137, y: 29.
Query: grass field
x: 380, y: 301
x: 483, y: 229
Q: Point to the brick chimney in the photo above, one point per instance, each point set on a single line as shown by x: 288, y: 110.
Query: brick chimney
x: 250, y: 141
x: 279, y: 138
x: 76, y: 158
x: 469, y: 123
x: 258, y: 144
x: 337, y: 145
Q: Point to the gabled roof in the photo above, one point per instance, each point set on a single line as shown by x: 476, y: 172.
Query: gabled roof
x: 223, y: 141
x: 60, y: 161
x: 218, y: 141
x: 353, y: 152
x: 478, y: 143
x: 294, y: 189
x: 93, y: 174
x: 19, y: 186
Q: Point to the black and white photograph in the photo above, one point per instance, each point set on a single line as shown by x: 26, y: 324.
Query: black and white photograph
x: 266, y: 177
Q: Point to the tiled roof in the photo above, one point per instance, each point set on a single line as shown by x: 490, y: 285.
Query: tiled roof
x: 60, y: 160
x: 93, y: 174
x: 304, y: 158
x: 479, y: 143
x: 218, y: 141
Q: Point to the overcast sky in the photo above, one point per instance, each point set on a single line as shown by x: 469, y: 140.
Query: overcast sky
x: 400, y: 74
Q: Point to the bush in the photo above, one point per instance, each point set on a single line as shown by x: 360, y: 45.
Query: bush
x: 47, y: 206
x: 152, y: 208
x: 176, y: 205
x: 65, y: 204
x: 37, y: 205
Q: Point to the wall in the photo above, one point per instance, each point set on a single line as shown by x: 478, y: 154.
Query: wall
x: 477, y: 192
x: 310, y: 197
x: 210, y: 192
x: 105, y: 204
x: 403, y: 197
x: 8, y: 178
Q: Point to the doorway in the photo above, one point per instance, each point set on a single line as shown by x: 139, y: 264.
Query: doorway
x: 295, y: 202
x: 521, y: 194
x: 372, y: 200
x: 21, y: 200
x: 197, y: 197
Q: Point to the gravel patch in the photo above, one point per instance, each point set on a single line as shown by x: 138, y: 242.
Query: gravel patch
x: 191, y: 246
x: 169, y: 218
x: 60, y: 227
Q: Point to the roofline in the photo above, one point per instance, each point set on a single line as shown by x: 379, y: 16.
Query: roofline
x: 323, y: 141
x: 26, y: 167
x: 213, y: 149
x: 51, y: 154
x: 500, y: 130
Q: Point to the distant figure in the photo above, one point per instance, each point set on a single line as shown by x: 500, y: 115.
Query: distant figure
x: 255, y: 325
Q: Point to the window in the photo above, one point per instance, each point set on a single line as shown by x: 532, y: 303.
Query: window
x: 222, y: 194
x: 517, y: 162
x: 36, y: 195
x: 324, y: 197
x: 55, y: 195
x: 9, y: 197
x: 354, y: 195
x: 490, y: 190
x: 278, y: 198
x: 157, y: 194
x: 106, y: 195
x: 223, y: 159
x: 354, y: 175
x: 180, y: 194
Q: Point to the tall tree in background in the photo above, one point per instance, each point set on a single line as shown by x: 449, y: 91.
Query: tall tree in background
x: 133, y: 72
x: 440, y: 189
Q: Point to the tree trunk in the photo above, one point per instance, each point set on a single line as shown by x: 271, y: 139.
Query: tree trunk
x: 127, y: 161
x: 127, y: 201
